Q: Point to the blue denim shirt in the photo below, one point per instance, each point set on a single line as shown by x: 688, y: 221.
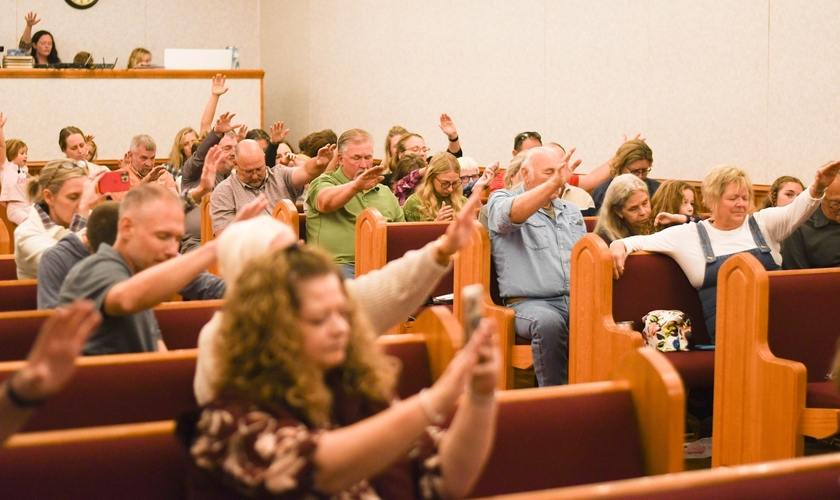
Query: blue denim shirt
x: 533, y: 259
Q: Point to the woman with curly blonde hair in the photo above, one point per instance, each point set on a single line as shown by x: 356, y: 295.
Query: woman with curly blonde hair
x: 439, y: 197
x: 304, y: 402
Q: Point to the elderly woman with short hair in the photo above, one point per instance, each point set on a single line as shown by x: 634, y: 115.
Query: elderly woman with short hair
x: 700, y: 249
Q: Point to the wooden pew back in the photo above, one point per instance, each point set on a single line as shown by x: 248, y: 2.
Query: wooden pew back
x: 7, y: 232
x: 287, y: 212
x: 18, y: 295
x: 556, y: 436
x: 8, y: 267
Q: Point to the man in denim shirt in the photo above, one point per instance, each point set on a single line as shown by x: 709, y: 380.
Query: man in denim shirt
x: 532, y: 232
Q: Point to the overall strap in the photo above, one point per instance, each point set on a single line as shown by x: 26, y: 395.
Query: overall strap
x: 705, y: 244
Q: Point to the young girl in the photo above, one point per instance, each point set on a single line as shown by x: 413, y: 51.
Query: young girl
x: 784, y: 190
x: 139, y: 58
x: 15, y: 175
x: 675, y: 202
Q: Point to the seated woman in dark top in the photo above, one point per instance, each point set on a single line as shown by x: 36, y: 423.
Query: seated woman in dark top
x: 625, y: 211
x: 41, y: 45
x: 633, y: 157
x: 304, y: 403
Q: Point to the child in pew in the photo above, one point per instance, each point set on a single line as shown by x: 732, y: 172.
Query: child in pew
x: 15, y: 175
x: 139, y: 58
x: 675, y: 202
x: 49, y: 366
x: 70, y: 250
x: 305, y: 405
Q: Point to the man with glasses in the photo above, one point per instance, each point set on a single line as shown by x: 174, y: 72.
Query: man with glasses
x: 816, y: 243
x: 140, y: 164
x: 336, y: 199
x: 633, y: 157
x: 532, y: 232
x: 254, y: 177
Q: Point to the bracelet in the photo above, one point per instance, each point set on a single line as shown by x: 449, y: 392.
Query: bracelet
x: 190, y: 200
x: 482, y: 400
x: 431, y: 414
x: 454, y: 140
x: 815, y: 189
x: 16, y: 398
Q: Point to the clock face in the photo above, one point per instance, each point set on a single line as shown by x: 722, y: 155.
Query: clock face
x: 82, y: 4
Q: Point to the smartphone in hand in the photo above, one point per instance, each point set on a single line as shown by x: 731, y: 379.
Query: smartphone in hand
x: 114, y: 182
x: 473, y: 309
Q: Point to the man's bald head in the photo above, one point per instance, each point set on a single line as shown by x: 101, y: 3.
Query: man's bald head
x: 250, y: 163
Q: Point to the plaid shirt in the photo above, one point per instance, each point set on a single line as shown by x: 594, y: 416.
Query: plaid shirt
x: 76, y: 224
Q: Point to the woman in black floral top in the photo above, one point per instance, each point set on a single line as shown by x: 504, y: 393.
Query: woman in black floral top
x: 305, y: 404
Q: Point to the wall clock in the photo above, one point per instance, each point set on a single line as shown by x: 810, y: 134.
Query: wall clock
x: 81, y: 4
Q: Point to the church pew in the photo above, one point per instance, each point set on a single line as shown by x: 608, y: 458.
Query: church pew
x: 8, y: 267
x: 287, y: 212
x: 590, y: 222
x: 131, y: 461
x: 207, y: 228
x: 637, y: 416
x: 18, y: 295
x: 473, y: 264
x: 7, y: 232
x: 560, y: 436
x: 811, y: 477
x: 379, y: 242
x: 776, y: 336
x: 180, y: 323
x: 650, y: 281
x: 117, y: 389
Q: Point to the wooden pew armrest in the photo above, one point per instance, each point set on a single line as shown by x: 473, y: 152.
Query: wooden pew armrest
x: 820, y: 422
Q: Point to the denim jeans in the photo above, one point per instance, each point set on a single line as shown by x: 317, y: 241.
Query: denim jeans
x: 349, y: 271
x: 545, y: 322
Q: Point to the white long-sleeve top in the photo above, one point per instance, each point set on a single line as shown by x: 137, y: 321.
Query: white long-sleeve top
x: 682, y: 242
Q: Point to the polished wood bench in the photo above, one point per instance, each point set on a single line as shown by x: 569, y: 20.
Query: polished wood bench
x: 8, y: 267
x: 650, y: 281
x: 379, y: 242
x: 207, y: 233
x: 18, y: 295
x: 287, y: 212
x: 629, y: 426
x: 811, y: 477
x: 775, y: 343
x: 7, y: 233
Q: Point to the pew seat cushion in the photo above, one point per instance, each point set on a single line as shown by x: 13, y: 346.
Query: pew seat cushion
x: 821, y: 395
x: 696, y: 368
x: 584, y: 439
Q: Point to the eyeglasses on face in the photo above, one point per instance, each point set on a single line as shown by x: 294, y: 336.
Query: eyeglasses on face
x: 448, y: 184
x: 640, y: 171
x: 251, y: 173
x: 417, y: 150
x: 470, y: 178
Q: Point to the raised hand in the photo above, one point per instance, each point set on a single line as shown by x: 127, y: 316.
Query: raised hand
x: 825, y: 176
x: 368, y: 179
x: 89, y: 137
x: 154, y: 174
x: 218, y: 86
x: 2, y: 120
x: 223, y: 124
x: 637, y: 136
x: 448, y: 126
x: 460, y: 231
x: 325, y: 156
x: 490, y: 173
x: 485, y: 373
x: 90, y: 195
x: 277, y: 132
x: 32, y: 19
x: 240, y: 135
x: 51, y: 361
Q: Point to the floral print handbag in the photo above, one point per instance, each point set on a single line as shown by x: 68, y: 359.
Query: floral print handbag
x: 667, y: 330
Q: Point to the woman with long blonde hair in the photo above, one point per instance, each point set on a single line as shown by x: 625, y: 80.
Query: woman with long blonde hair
x: 439, y: 197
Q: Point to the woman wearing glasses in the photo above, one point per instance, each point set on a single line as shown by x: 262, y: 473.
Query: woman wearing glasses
x: 633, y: 157
x: 62, y: 197
x: 701, y: 248
x: 439, y: 197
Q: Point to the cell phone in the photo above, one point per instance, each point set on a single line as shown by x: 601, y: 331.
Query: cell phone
x: 114, y: 182
x: 473, y: 309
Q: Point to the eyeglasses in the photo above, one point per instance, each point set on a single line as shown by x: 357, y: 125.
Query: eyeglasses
x: 250, y: 173
x: 447, y: 184
x: 417, y: 150
x: 470, y: 178
x: 639, y: 172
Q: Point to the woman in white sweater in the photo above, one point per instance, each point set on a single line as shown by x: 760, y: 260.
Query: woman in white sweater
x: 701, y: 248
x: 62, y: 196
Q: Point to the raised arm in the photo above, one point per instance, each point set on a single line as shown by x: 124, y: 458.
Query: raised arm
x: 303, y: 175
x: 333, y: 198
x: 26, y: 38
x: 216, y: 90
x: 448, y: 128
x: 278, y: 133
x: 49, y: 366
x: 2, y: 139
x: 158, y: 283
x: 527, y: 203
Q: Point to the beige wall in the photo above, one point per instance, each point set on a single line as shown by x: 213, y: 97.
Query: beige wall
x: 751, y: 83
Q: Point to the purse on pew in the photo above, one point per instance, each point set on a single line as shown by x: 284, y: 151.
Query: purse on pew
x: 667, y: 330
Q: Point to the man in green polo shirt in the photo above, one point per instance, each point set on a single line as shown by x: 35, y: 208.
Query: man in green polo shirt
x: 335, y: 199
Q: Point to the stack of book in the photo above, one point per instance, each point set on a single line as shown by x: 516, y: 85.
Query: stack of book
x: 18, y: 62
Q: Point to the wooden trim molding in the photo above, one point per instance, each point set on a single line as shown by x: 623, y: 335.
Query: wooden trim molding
x: 167, y: 74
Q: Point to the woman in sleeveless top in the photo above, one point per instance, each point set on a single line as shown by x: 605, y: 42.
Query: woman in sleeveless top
x: 701, y: 248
